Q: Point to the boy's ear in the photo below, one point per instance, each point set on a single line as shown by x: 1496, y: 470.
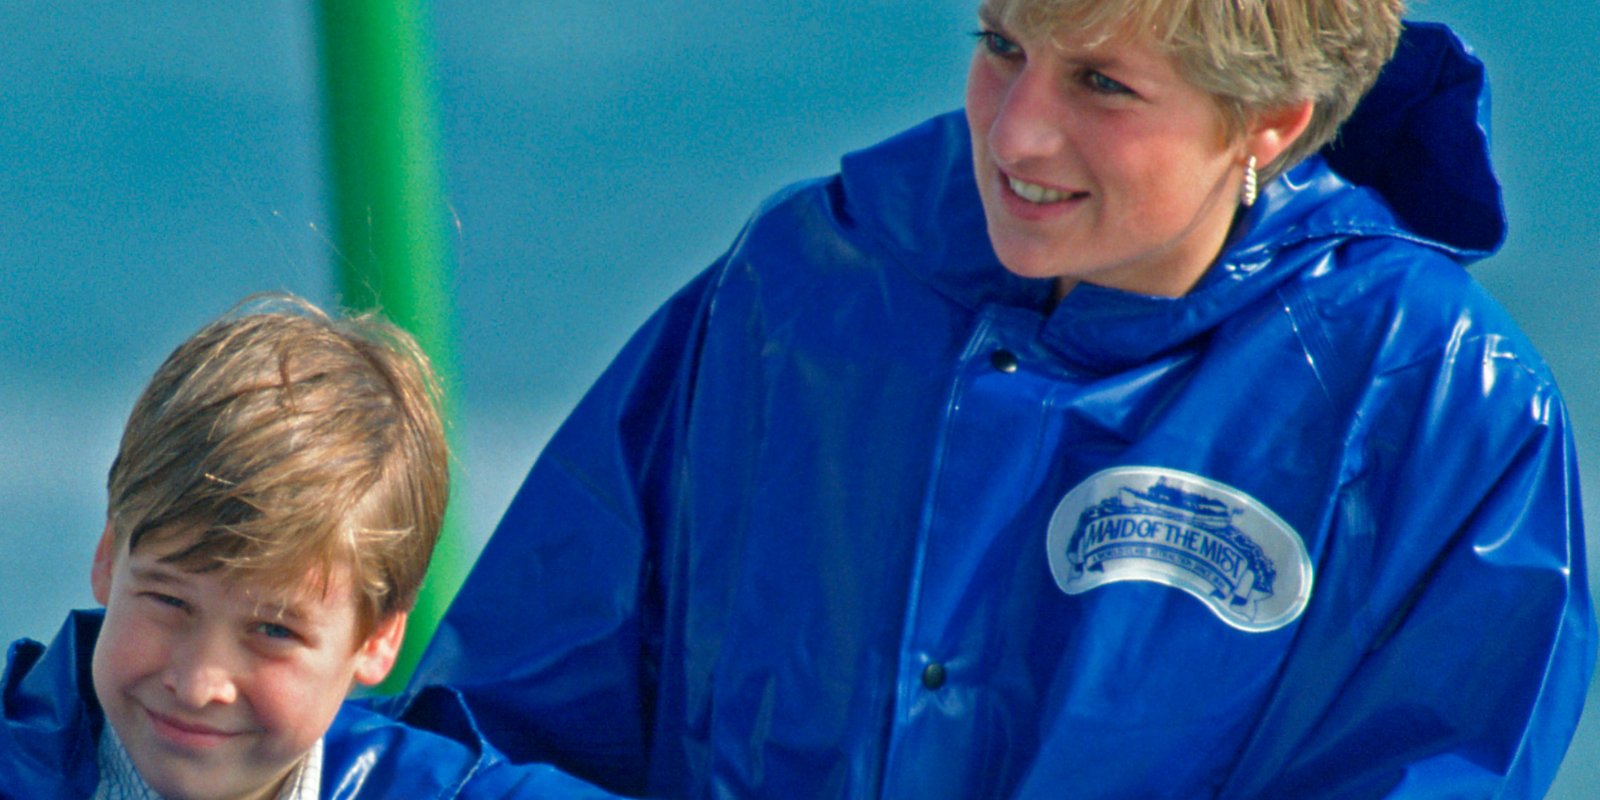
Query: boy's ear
x: 105, y: 560
x: 376, y: 655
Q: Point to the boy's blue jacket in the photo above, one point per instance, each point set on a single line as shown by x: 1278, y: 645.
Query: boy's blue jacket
x: 858, y: 513
x: 50, y: 723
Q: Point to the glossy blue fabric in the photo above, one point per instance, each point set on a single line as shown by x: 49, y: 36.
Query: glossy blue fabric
x: 832, y: 459
x: 50, y: 723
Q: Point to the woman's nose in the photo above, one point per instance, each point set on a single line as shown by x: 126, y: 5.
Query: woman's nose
x: 200, y: 674
x: 1030, y: 121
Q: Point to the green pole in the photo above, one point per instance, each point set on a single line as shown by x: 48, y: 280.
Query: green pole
x: 392, y: 224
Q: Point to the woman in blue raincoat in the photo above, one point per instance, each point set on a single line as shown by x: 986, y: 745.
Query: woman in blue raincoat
x: 1136, y: 433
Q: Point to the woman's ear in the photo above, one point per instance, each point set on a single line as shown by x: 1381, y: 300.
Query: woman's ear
x: 105, y: 561
x: 1271, y: 132
x: 375, y: 657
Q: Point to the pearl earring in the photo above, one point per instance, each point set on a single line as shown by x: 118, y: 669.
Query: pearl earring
x: 1248, y: 197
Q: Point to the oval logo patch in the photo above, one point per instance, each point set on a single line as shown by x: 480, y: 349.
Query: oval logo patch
x: 1185, y: 531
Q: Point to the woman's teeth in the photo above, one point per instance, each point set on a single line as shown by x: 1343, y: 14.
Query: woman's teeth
x: 1034, y: 193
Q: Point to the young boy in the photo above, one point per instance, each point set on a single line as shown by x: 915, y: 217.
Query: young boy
x: 272, y: 510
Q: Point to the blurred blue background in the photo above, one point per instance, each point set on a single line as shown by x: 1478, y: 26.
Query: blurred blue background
x: 158, y: 161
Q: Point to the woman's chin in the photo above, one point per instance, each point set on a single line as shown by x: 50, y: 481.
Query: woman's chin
x: 1027, y: 264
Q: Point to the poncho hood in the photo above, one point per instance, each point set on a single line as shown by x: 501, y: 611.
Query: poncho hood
x: 1411, y: 163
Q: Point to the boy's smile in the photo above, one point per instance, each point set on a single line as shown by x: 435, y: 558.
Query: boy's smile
x: 214, y: 690
x: 182, y: 735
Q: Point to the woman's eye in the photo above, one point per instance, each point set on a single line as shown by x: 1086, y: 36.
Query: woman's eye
x: 1100, y: 84
x: 998, y: 45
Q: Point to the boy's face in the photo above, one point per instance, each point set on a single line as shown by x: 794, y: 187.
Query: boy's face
x: 212, y: 691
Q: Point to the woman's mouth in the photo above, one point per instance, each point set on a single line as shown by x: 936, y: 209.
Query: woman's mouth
x: 1033, y: 192
x: 1042, y: 195
x: 1030, y: 202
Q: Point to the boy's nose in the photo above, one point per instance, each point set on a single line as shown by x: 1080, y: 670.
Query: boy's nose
x: 199, y: 676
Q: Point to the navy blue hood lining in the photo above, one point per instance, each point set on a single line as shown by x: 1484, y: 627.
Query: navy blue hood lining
x: 1421, y: 139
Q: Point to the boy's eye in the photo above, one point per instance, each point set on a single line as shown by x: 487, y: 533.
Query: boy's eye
x: 997, y: 45
x: 167, y: 600
x: 273, y: 630
x: 1100, y: 84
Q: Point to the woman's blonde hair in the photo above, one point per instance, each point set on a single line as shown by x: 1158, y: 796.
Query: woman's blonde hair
x: 1251, y: 55
x: 280, y: 443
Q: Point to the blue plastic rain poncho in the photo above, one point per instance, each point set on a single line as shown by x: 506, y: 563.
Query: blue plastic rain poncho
x: 858, y: 513
x: 50, y: 724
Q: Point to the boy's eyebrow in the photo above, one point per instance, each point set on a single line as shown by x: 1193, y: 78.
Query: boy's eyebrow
x: 289, y: 611
x: 155, y: 573
x: 987, y: 17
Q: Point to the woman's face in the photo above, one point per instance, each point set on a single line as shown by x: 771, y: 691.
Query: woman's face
x: 1102, y: 165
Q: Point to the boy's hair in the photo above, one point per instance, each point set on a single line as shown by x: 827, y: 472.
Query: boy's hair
x: 1250, y: 55
x: 281, y: 444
